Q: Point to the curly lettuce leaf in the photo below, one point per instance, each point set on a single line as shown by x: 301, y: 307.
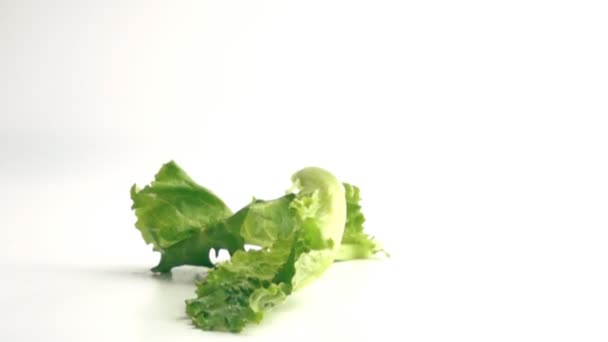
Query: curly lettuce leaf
x: 324, y: 195
x: 184, y: 220
x: 181, y: 219
x: 267, y: 221
x: 298, y: 234
x: 239, y: 291
x: 356, y: 244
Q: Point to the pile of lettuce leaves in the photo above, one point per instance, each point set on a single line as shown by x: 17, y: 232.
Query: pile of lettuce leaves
x: 298, y: 236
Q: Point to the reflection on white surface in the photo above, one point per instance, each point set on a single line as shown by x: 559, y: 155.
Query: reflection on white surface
x: 98, y: 304
x: 60, y: 303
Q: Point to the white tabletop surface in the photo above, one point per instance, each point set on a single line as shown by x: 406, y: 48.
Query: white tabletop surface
x: 119, y: 303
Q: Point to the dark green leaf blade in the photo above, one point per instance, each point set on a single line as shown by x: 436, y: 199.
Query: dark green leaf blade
x: 181, y: 219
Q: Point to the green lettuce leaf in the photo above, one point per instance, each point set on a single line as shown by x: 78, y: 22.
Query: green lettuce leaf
x: 185, y: 221
x: 182, y: 220
x: 356, y: 244
x: 237, y: 292
x: 268, y: 221
x: 298, y: 235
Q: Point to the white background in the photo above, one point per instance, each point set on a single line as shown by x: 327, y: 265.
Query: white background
x: 476, y: 130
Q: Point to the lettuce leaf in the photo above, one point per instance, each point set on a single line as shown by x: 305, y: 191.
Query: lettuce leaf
x: 297, y: 233
x: 356, y: 244
x: 182, y: 220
